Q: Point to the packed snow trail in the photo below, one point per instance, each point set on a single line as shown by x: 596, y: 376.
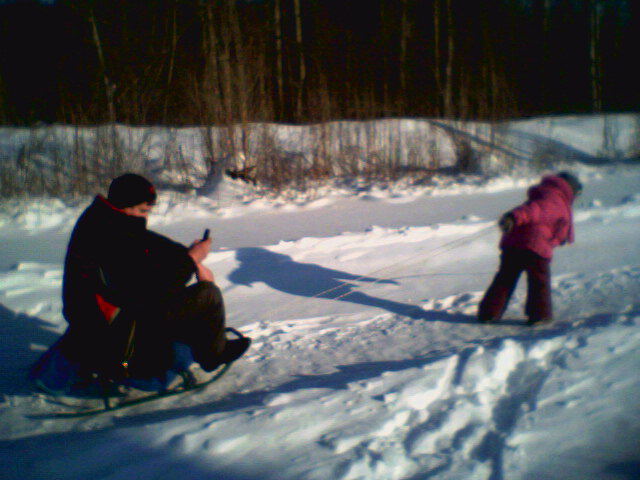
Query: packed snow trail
x: 394, y: 380
x: 39, y: 232
x: 482, y: 409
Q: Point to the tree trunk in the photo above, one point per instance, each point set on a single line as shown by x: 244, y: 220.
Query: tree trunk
x: 595, y: 55
x: 404, y: 34
x: 448, y: 93
x: 172, y: 56
x: 108, y: 86
x: 301, y: 60
x: 277, y: 17
x: 437, y: 12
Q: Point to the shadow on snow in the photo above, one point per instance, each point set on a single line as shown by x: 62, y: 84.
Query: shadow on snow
x: 280, y: 272
x: 19, y: 332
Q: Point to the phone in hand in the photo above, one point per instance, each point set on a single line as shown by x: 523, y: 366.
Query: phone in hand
x: 206, y: 235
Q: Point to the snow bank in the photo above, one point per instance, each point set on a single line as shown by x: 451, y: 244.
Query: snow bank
x: 367, y: 361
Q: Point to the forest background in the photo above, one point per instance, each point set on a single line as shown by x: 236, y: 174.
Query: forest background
x: 284, y: 92
x: 218, y: 62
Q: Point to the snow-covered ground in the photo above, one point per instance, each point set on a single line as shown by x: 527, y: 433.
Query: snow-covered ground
x: 367, y: 361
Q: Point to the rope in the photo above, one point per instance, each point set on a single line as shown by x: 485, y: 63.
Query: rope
x: 433, y: 253
x: 452, y: 245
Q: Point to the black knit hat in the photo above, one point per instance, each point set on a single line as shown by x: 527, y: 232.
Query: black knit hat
x: 573, y: 182
x: 131, y: 189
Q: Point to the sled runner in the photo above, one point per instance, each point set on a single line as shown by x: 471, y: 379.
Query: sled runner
x: 114, y: 403
x: 67, y: 386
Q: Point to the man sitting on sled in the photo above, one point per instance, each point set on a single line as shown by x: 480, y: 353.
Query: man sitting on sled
x: 125, y: 293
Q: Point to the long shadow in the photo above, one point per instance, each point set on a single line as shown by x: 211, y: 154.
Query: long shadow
x: 478, y: 140
x: 339, y: 379
x: 629, y: 470
x: 559, y: 149
x: 539, y: 143
x: 18, y: 331
x: 72, y: 456
x: 282, y: 273
x: 346, y: 374
x: 233, y: 402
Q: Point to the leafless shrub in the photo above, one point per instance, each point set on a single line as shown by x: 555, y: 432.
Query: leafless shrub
x: 270, y: 170
x: 634, y: 147
x: 434, y: 159
x: 67, y: 162
x: 610, y: 139
x: 39, y: 167
x: 546, y: 156
x: 467, y: 158
x: 321, y: 165
x: 173, y: 169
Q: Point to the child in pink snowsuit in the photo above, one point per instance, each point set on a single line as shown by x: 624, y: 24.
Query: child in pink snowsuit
x: 530, y: 233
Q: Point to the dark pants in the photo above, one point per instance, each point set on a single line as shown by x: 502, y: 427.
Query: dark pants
x: 195, y: 317
x: 512, y: 263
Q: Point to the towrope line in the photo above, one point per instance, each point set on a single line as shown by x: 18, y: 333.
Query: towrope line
x: 452, y: 245
x: 447, y: 247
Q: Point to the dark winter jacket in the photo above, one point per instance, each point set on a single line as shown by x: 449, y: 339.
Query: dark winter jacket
x: 545, y: 220
x: 115, y: 265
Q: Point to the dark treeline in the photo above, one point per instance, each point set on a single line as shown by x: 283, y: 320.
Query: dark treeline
x: 219, y: 62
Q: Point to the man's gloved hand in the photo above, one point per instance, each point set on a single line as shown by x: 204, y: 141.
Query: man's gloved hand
x: 507, y: 222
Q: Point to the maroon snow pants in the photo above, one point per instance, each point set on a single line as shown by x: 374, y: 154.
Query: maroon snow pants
x: 512, y: 263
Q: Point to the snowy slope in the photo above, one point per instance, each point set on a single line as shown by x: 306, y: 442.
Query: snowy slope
x: 367, y: 362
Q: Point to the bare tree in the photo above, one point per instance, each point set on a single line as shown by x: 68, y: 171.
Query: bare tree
x: 109, y: 87
x: 448, y: 89
x: 595, y: 54
x: 437, y: 17
x: 444, y: 79
x: 4, y: 107
x: 404, y: 36
x: 277, y: 22
x: 173, y: 39
x: 302, y: 67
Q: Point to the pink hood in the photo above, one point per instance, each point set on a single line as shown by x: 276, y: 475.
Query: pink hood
x: 545, y: 220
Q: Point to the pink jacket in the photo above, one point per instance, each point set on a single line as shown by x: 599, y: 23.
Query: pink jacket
x: 545, y: 220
